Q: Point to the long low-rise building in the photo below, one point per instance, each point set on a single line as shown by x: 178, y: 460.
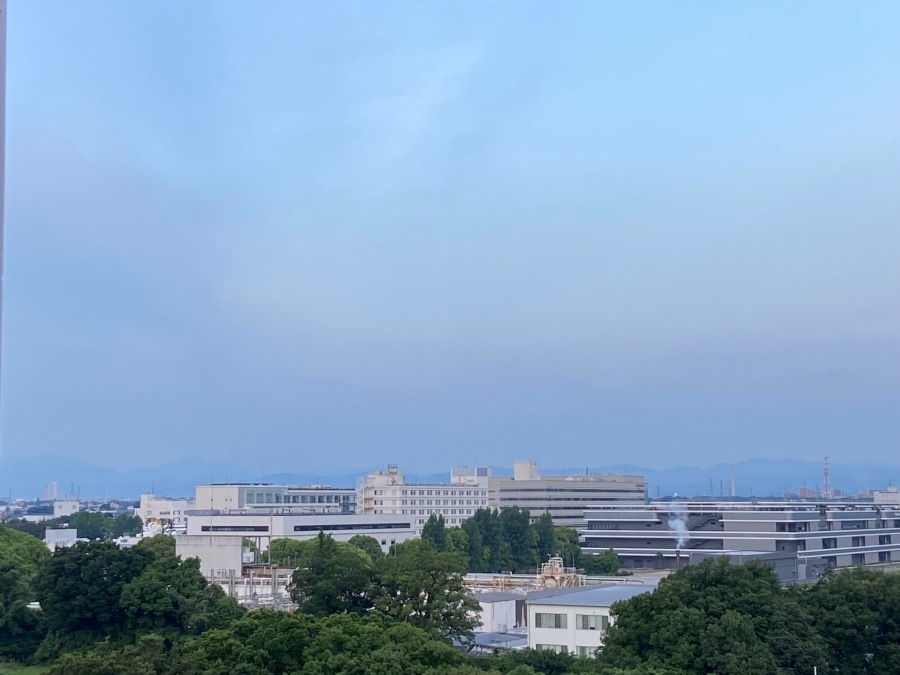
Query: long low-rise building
x: 821, y: 535
x: 261, y: 528
x: 267, y: 496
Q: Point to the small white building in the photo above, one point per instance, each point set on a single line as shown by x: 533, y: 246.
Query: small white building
x: 575, y: 620
x: 501, y: 612
x: 65, y: 507
x: 165, y: 513
x: 56, y: 538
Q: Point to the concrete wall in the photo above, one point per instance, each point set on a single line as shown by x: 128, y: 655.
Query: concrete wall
x: 215, y: 552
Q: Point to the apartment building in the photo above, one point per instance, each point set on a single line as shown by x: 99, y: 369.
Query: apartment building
x: 820, y: 535
x: 564, y: 497
x: 387, y: 492
x: 267, y: 496
x: 575, y: 620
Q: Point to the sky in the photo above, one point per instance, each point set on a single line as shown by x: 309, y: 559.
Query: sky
x: 337, y: 235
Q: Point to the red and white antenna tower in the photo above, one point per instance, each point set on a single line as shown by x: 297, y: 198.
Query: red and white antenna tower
x: 826, y: 473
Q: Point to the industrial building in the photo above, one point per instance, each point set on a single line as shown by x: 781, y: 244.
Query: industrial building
x: 565, y: 498
x: 819, y: 535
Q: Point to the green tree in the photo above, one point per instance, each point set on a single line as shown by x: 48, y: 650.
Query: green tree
x: 21, y: 629
x: 160, y: 545
x: 368, y: 544
x: 162, y: 597
x: 567, y: 546
x: 79, y: 587
x: 424, y: 587
x: 331, y: 577
x: 37, y: 530
x: 475, y: 546
x: 605, y: 563
x: 545, y: 537
x: 91, y: 524
x: 857, y: 612
x: 125, y: 524
x: 458, y: 541
x: 435, y: 532
x: 288, y: 552
x: 516, y: 530
x: 714, y: 617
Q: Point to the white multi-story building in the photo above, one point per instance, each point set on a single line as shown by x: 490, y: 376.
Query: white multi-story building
x: 51, y: 492
x: 563, y: 497
x: 267, y: 496
x: 387, y: 492
x: 575, y: 620
x: 166, y: 513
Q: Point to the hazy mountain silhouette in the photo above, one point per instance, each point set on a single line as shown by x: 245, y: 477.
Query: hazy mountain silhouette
x: 25, y: 477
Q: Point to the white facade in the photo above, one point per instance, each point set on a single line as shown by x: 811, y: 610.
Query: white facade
x: 890, y: 496
x: 575, y: 620
x: 65, y: 507
x: 56, y: 538
x: 51, y: 492
x: 501, y: 612
x: 388, y: 493
x: 164, y: 512
x: 564, y: 497
x: 220, y: 556
x: 261, y: 528
x: 267, y: 496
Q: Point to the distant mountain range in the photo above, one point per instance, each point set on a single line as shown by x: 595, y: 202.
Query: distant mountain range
x: 25, y: 477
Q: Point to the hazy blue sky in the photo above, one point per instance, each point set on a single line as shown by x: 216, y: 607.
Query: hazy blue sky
x: 345, y: 234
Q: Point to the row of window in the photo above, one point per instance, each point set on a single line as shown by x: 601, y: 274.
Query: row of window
x: 423, y: 512
x: 596, y: 489
x: 582, y: 621
x: 280, y: 498
x: 432, y: 493
x: 584, y: 652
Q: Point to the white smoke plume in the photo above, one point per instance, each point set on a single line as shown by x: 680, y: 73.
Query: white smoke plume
x: 678, y: 525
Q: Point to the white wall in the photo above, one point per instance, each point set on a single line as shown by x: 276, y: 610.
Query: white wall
x: 571, y: 637
x: 497, y: 617
x: 214, y: 552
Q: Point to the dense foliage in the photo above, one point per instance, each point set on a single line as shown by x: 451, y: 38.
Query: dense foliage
x: 507, y: 541
x: 90, y: 525
x: 21, y: 629
x: 96, y: 591
x: 416, y: 584
x: 108, y: 611
x: 721, y: 618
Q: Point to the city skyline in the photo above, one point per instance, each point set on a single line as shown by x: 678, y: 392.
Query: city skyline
x: 665, y: 236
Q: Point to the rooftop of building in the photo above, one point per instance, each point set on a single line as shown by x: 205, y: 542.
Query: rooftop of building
x: 498, y: 597
x: 716, y: 506
x: 589, y: 596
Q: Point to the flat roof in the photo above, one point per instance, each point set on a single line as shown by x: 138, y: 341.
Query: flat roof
x: 590, y: 596
x: 498, y: 597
